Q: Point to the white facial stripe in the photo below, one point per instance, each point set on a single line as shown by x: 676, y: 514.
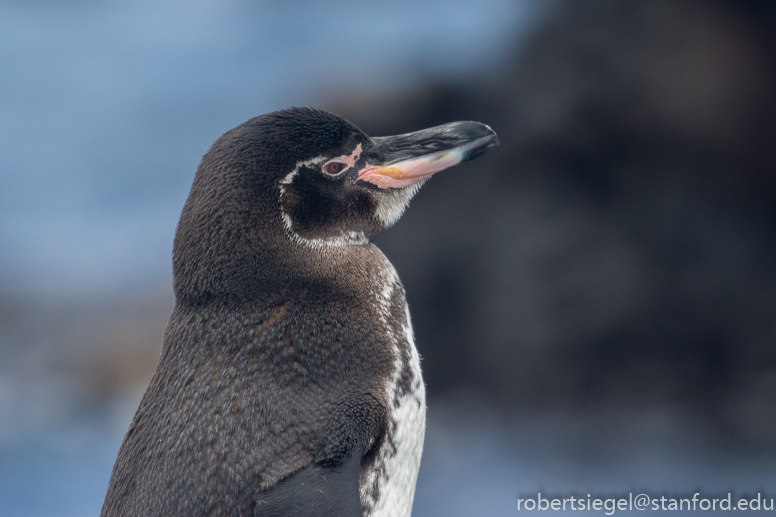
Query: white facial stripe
x: 345, y: 239
x: 307, y: 163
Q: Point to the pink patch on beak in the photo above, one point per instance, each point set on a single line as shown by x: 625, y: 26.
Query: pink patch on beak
x: 409, y: 172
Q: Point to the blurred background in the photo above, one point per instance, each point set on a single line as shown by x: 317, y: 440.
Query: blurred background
x: 594, y: 301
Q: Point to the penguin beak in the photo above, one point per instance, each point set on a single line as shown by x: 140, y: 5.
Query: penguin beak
x: 404, y: 160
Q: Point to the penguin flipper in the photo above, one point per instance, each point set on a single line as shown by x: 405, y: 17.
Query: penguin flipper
x: 315, y: 491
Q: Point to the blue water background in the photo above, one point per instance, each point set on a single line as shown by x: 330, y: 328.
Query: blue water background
x: 107, y: 107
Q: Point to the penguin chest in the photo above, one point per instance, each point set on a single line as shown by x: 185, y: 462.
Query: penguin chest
x: 388, y: 486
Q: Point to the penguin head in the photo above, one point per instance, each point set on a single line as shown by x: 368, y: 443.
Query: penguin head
x: 308, y: 178
x: 348, y: 190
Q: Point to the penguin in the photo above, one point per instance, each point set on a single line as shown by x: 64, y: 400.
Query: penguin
x: 289, y: 383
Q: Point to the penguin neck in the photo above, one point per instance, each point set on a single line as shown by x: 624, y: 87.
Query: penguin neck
x: 251, y: 269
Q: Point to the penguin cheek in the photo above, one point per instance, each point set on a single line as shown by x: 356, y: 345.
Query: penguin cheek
x: 305, y: 212
x: 314, y: 211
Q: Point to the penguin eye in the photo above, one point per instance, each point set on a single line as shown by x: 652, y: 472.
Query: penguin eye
x: 334, y: 167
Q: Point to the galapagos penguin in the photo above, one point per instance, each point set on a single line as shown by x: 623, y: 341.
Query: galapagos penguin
x: 289, y: 383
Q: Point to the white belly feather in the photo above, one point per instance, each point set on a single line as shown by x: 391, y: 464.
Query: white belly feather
x: 390, y: 483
